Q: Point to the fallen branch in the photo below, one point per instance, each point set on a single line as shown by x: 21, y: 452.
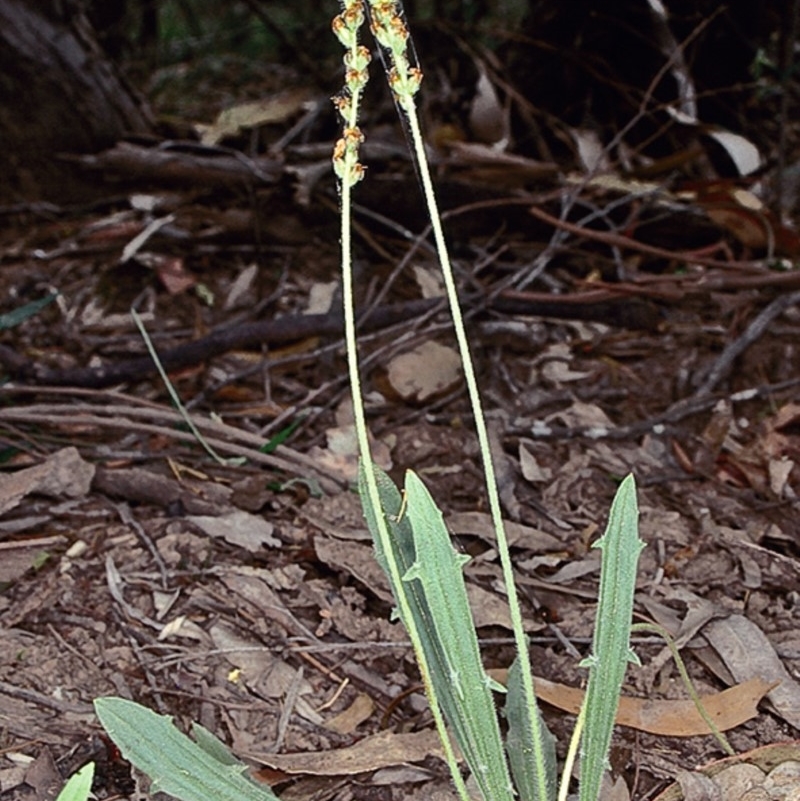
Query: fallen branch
x: 181, y: 164
x: 603, y: 307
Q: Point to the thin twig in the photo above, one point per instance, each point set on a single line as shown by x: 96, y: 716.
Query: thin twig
x: 724, y: 363
x: 329, y: 481
x: 47, y: 701
x: 617, y: 240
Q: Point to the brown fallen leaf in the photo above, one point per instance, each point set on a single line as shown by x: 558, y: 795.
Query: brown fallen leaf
x: 426, y: 371
x: 746, y: 652
x: 350, y: 719
x: 728, y: 709
x: 378, y: 751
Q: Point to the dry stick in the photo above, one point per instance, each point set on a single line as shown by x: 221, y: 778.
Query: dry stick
x: 723, y: 365
x: 286, y: 329
x: 618, y: 240
x: 126, y: 516
x: 34, y: 697
x: 329, y: 482
x: 659, y: 425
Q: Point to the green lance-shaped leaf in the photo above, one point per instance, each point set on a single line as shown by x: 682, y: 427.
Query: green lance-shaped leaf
x: 519, y: 742
x: 176, y: 765
x: 611, y: 649
x: 79, y: 785
x: 433, y: 586
x: 401, y: 545
x: 470, y: 706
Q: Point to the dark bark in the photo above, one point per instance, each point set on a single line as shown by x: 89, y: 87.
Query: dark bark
x: 58, y: 93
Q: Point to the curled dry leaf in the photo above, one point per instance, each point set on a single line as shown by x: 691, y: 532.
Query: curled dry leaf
x: 172, y: 273
x: 371, y: 753
x: 351, y: 718
x: 341, y: 455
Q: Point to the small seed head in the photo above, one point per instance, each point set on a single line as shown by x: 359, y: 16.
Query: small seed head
x: 343, y: 104
x: 346, y: 35
x: 339, y: 150
x: 357, y: 58
x: 405, y: 84
x: 352, y: 139
x: 356, y: 80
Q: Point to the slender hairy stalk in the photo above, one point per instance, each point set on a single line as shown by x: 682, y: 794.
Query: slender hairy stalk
x: 350, y: 171
x: 389, y: 30
x: 572, y: 754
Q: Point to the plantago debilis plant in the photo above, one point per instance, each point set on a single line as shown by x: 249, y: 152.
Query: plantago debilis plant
x: 414, y: 549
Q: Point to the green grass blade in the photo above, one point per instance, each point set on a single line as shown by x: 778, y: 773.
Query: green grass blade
x: 176, y: 400
x: 175, y: 764
x: 519, y: 743
x: 611, y: 649
x: 13, y: 318
x: 281, y: 437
